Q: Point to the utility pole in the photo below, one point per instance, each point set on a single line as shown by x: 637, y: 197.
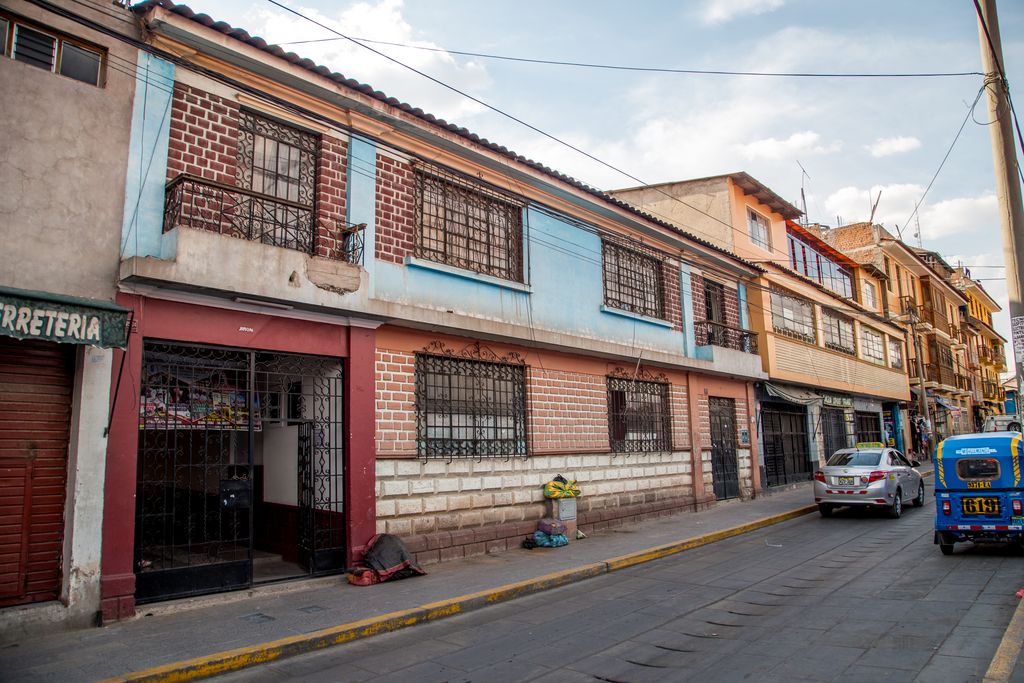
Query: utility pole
x: 922, y: 398
x: 1004, y: 154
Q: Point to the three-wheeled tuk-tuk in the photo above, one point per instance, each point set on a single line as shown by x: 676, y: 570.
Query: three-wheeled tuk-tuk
x: 978, y: 490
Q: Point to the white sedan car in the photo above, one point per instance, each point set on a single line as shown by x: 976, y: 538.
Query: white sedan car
x: 868, y: 476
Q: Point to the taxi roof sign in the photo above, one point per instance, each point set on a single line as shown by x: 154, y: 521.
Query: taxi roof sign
x: 869, y: 444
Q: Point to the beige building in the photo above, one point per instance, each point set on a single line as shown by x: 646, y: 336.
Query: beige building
x: 836, y: 363
x: 919, y: 295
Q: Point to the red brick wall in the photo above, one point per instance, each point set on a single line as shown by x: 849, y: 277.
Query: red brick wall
x: 395, y: 229
x: 331, y: 188
x: 204, y: 143
x: 673, y: 302
x: 566, y: 411
x: 204, y: 135
x: 679, y: 410
x: 732, y: 307
x: 396, y: 403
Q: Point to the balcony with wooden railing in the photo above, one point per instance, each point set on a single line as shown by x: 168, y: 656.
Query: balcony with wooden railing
x: 991, y: 391
x: 940, y: 374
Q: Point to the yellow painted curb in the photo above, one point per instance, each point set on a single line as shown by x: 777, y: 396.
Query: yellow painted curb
x: 1001, y: 667
x: 252, y: 655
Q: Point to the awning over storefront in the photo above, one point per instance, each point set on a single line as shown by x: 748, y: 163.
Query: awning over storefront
x: 26, y: 314
x: 792, y: 394
x: 945, y: 404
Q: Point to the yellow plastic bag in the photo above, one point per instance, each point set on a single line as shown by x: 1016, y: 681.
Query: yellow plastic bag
x: 557, y: 489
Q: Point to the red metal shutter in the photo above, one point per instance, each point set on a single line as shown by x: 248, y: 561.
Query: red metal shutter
x: 36, y: 380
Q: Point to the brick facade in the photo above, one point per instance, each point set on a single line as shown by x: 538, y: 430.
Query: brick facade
x: 203, y: 135
x: 204, y: 143
x: 673, y: 301
x: 452, y: 509
x: 395, y: 216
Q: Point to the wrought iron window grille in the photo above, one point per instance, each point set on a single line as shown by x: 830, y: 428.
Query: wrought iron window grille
x: 638, y: 413
x: 632, y: 280
x: 467, y: 225
x: 470, y: 403
x: 792, y: 317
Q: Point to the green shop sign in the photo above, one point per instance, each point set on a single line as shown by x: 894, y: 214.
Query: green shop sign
x: 66, y: 319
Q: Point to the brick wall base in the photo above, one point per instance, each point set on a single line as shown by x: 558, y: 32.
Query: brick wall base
x: 454, y: 545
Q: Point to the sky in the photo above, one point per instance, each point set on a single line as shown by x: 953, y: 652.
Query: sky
x: 841, y: 141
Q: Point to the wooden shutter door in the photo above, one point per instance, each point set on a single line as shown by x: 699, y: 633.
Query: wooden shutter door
x: 36, y: 380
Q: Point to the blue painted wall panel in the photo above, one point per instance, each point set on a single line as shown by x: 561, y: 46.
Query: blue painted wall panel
x: 360, y: 204
x: 142, y: 227
x: 566, y: 281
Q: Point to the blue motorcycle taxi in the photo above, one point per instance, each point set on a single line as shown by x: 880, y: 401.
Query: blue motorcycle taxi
x: 978, y: 492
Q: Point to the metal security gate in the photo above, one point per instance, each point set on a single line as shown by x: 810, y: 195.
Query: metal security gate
x: 784, y: 432
x: 869, y: 427
x: 724, y: 467
x: 205, y: 416
x: 835, y: 431
x: 36, y: 380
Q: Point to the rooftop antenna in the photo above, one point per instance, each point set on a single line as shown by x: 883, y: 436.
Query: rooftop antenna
x: 874, y: 207
x: 917, y: 231
x: 803, y: 197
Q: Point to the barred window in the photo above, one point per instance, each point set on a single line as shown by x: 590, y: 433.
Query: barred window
x: 838, y: 332
x: 896, y: 354
x: 871, y: 346
x: 468, y: 227
x: 632, y: 280
x: 469, y: 409
x: 637, y: 415
x: 793, y: 316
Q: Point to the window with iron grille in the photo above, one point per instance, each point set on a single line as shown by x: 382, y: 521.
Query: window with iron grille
x: 469, y: 409
x: 632, y: 280
x: 793, y: 316
x: 468, y: 226
x: 638, y: 416
x: 871, y: 346
x: 279, y: 162
x: 838, y: 330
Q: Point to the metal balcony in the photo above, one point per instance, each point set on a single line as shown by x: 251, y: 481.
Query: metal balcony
x: 710, y: 333
x: 202, y: 204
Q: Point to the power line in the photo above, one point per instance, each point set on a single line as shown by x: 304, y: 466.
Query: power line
x: 970, y: 112
x: 647, y: 69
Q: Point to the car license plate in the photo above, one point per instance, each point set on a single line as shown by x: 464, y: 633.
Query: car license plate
x: 980, y: 506
x: 846, y: 481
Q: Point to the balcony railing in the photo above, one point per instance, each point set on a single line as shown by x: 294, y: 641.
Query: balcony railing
x: 716, y: 334
x: 991, y: 391
x: 934, y: 372
x: 202, y: 204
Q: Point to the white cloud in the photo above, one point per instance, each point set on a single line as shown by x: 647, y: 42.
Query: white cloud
x: 883, y: 147
x: 947, y: 218
x: 806, y: 142
x: 721, y: 11
x: 380, y: 20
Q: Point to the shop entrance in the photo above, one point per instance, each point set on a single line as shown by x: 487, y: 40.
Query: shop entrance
x: 723, y: 447
x: 869, y: 427
x: 240, y: 469
x: 784, y: 431
x: 835, y: 430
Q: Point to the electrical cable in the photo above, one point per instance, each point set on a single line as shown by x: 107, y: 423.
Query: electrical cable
x: 615, y: 67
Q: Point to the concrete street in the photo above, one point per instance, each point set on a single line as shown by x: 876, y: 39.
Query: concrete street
x: 858, y: 597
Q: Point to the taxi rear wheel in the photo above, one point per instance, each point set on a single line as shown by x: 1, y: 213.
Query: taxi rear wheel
x: 946, y: 548
x: 825, y: 509
x: 896, y: 509
x: 919, y: 498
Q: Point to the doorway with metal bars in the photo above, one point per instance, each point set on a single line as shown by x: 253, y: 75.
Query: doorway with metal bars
x: 240, y: 469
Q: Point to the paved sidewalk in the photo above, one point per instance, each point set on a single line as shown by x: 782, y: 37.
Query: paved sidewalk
x: 203, y: 636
